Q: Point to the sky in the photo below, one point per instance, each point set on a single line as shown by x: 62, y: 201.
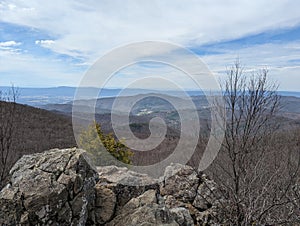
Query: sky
x: 54, y: 42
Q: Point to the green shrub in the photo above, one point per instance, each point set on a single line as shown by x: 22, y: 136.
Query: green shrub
x: 104, y: 148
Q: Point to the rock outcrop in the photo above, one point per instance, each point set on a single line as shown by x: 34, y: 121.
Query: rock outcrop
x: 62, y: 187
x: 56, y: 186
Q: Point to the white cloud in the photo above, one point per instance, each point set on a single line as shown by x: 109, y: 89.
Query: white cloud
x: 277, y: 58
x: 265, y: 55
x: 9, y: 44
x: 91, y: 28
x: 27, y: 70
x: 44, y: 42
x: 10, y: 47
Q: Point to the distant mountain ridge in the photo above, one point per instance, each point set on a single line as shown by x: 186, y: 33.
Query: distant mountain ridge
x: 64, y: 94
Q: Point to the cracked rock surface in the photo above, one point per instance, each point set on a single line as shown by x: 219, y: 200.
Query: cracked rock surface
x: 56, y: 186
x: 62, y: 187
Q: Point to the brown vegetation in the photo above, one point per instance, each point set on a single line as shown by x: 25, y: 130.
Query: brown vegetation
x: 257, y: 168
x: 27, y: 130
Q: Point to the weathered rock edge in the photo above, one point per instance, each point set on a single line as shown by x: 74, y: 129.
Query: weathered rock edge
x: 62, y: 187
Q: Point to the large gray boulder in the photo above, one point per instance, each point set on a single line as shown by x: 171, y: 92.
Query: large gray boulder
x: 187, y: 192
x: 144, y: 210
x: 181, y: 182
x: 53, y: 187
x: 176, y: 200
x: 114, y: 190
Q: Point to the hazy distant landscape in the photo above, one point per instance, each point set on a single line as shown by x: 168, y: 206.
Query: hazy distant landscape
x: 63, y: 95
x: 59, y: 101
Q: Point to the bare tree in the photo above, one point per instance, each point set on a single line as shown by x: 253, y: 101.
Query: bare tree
x: 8, y: 128
x: 256, y: 179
